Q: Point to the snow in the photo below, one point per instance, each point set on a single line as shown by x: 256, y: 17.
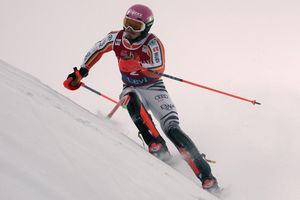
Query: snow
x: 51, y: 148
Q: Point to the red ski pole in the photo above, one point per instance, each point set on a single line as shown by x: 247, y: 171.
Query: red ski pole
x: 204, y: 87
x: 123, y: 101
x: 96, y: 92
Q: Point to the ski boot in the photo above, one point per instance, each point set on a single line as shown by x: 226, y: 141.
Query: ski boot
x: 211, y: 185
x: 160, y: 151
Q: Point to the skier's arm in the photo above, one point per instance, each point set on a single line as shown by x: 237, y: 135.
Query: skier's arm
x: 157, y: 58
x: 73, y: 80
x: 103, y: 46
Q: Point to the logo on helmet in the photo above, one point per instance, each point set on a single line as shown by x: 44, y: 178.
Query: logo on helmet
x: 135, y: 13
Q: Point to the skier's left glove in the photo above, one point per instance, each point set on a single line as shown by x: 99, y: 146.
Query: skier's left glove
x: 133, y: 65
x: 130, y: 65
x: 73, y: 81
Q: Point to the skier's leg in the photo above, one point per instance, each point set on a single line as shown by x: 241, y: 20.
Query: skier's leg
x: 190, y: 152
x: 165, y: 112
x: 142, y: 120
x: 193, y: 157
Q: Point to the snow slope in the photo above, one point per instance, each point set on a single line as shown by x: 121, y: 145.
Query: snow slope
x: 51, y: 148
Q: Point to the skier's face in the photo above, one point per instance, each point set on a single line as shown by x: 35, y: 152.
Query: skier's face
x: 131, y: 34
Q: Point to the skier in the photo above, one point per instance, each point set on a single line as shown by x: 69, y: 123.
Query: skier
x: 137, y: 51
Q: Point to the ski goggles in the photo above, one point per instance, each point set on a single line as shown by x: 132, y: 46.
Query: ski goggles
x: 134, y: 24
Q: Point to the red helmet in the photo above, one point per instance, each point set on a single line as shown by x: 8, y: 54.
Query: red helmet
x: 139, y: 18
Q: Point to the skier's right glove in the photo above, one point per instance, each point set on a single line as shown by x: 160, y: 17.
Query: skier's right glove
x: 73, y: 81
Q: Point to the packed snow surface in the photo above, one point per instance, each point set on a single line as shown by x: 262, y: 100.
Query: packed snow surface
x: 52, y: 148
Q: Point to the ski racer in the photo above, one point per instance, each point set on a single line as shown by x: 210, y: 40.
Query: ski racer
x: 137, y: 51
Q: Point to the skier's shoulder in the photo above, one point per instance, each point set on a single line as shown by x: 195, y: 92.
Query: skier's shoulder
x: 153, y: 41
x: 112, y: 35
x: 151, y: 37
x: 107, y: 40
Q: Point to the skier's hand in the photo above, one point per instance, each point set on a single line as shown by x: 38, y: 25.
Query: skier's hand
x: 129, y: 65
x: 73, y: 81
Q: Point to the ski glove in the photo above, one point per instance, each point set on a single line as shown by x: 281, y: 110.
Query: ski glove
x: 130, y: 65
x: 73, y: 81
